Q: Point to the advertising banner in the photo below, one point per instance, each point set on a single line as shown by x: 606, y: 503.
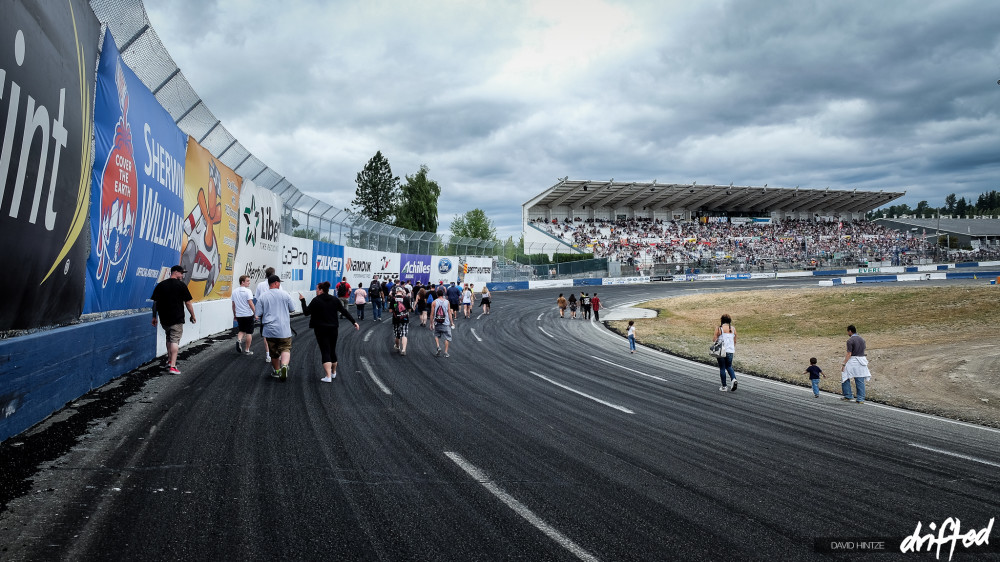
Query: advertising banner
x: 360, y: 266
x: 47, y: 55
x: 137, y: 189
x: 296, y: 267
x: 444, y: 268
x: 211, y: 224
x: 479, y: 270
x: 327, y: 263
x: 258, y: 246
x: 415, y: 267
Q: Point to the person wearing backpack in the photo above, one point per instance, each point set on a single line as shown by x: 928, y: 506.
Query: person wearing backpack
x: 343, y: 292
x: 375, y: 295
x: 400, y: 307
x: 440, y: 322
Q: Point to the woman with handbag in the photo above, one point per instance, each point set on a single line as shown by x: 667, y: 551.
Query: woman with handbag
x: 727, y: 334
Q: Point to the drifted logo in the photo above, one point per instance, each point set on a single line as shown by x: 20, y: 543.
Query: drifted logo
x: 360, y: 266
x: 329, y: 263
x: 444, y: 265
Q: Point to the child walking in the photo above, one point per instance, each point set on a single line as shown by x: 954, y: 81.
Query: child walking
x: 631, y: 336
x: 814, y: 373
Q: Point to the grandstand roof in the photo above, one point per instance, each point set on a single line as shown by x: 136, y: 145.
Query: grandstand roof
x: 969, y: 227
x: 580, y: 194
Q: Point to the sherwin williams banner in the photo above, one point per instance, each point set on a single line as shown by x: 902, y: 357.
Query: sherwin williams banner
x: 137, y: 189
x: 360, y: 266
x: 258, y: 246
x: 444, y: 268
x: 211, y: 224
x: 46, y: 107
x: 415, y: 267
x: 296, y: 267
x: 328, y: 263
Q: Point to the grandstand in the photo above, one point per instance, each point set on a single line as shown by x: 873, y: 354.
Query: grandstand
x: 736, y: 227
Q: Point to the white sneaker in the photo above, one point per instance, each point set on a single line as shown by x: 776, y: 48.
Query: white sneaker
x: 734, y: 385
x: 723, y: 388
x: 267, y: 358
x: 334, y: 375
x: 326, y: 379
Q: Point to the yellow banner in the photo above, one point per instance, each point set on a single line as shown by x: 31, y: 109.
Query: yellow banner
x: 211, y: 224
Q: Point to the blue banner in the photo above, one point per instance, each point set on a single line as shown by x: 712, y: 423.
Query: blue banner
x: 328, y: 263
x: 415, y: 267
x: 137, y: 189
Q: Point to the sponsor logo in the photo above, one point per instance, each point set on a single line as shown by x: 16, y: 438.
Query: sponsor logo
x: 259, y: 221
x: 329, y: 263
x: 385, y: 263
x: 444, y: 265
x: 415, y: 267
x: 294, y: 256
x: 358, y: 266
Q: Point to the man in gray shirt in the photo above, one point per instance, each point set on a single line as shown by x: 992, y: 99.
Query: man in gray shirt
x: 275, y: 307
x: 855, y: 367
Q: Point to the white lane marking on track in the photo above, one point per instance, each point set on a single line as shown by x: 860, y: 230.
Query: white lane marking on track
x: 368, y: 335
x: 474, y: 334
x: 575, y: 391
x: 519, y: 508
x: 957, y: 455
x: 546, y: 333
x: 540, y: 316
x: 480, y: 316
x: 371, y: 373
x: 628, y: 369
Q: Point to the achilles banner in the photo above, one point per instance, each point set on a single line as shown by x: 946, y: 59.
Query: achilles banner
x: 137, y: 195
x: 211, y: 224
x: 46, y: 104
x: 415, y: 267
x: 258, y: 246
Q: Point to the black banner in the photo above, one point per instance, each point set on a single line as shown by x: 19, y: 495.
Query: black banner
x: 48, y: 56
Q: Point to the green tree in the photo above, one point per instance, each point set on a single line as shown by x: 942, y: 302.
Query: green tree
x: 474, y: 224
x: 923, y: 208
x: 418, y: 203
x: 962, y: 207
x: 377, y: 196
x: 949, y: 203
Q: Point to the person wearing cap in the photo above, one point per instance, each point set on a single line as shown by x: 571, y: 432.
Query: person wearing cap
x: 275, y: 307
x: 262, y: 288
x: 170, y: 296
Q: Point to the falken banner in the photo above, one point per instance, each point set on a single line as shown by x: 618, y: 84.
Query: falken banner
x: 361, y: 266
x: 296, y: 266
x: 211, y: 224
x: 47, y: 55
x: 258, y: 246
x: 137, y: 189
x: 328, y: 263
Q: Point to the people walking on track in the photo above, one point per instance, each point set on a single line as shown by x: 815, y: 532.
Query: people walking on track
x: 855, y: 366
x: 484, y: 300
x: 275, y: 307
x: 572, y: 306
x: 375, y: 295
x: 595, y: 305
x: 814, y: 373
x: 440, y: 322
x: 360, y: 300
x: 467, y: 297
x: 631, y: 336
x: 262, y: 288
x: 325, y: 312
x: 561, y: 303
x: 343, y: 291
x: 726, y: 331
x: 243, y: 313
x: 454, y: 293
x: 400, y: 308
x: 585, y: 305
x: 421, y: 304
x: 170, y: 296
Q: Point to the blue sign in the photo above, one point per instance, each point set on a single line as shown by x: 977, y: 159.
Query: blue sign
x: 137, y: 189
x: 444, y: 266
x: 415, y: 267
x: 328, y: 263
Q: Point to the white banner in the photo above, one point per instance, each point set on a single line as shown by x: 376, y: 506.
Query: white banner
x: 296, y: 267
x: 444, y: 268
x: 260, y: 224
x: 480, y: 270
x: 360, y: 266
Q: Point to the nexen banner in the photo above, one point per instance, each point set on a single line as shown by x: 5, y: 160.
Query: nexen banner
x: 137, y: 189
x: 415, y: 267
x: 328, y: 262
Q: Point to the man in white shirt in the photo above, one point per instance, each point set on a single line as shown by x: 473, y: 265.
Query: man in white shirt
x: 262, y: 288
x: 243, y: 313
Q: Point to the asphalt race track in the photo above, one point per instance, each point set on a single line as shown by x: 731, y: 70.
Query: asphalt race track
x: 540, y: 438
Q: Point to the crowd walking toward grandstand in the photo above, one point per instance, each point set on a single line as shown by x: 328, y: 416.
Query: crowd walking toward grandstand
x: 325, y: 312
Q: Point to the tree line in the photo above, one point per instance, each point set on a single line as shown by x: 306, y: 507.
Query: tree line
x: 986, y: 204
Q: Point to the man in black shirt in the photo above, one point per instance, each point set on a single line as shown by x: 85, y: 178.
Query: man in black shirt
x: 170, y: 296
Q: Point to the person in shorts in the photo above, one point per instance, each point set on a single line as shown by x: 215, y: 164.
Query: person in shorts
x: 275, y: 307
x: 440, y: 322
x: 243, y: 314
x: 262, y: 288
x: 170, y: 296
x: 400, y: 309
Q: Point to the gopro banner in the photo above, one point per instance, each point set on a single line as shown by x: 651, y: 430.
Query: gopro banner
x: 137, y: 189
x: 296, y: 266
x: 360, y: 266
x: 444, y: 268
x: 479, y: 270
x: 259, y: 245
x: 211, y: 224
x: 415, y: 267
x: 47, y: 55
x: 327, y: 263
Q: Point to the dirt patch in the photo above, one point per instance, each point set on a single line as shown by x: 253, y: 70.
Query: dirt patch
x: 930, y: 348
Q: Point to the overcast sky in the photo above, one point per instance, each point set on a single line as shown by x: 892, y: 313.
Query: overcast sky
x: 499, y: 99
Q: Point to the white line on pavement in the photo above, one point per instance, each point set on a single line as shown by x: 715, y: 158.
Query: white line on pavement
x: 474, y: 334
x: 520, y: 508
x: 546, y: 333
x: 627, y: 369
x: 540, y: 316
x: 957, y: 455
x: 575, y: 391
x: 371, y: 373
x: 368, y: 335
